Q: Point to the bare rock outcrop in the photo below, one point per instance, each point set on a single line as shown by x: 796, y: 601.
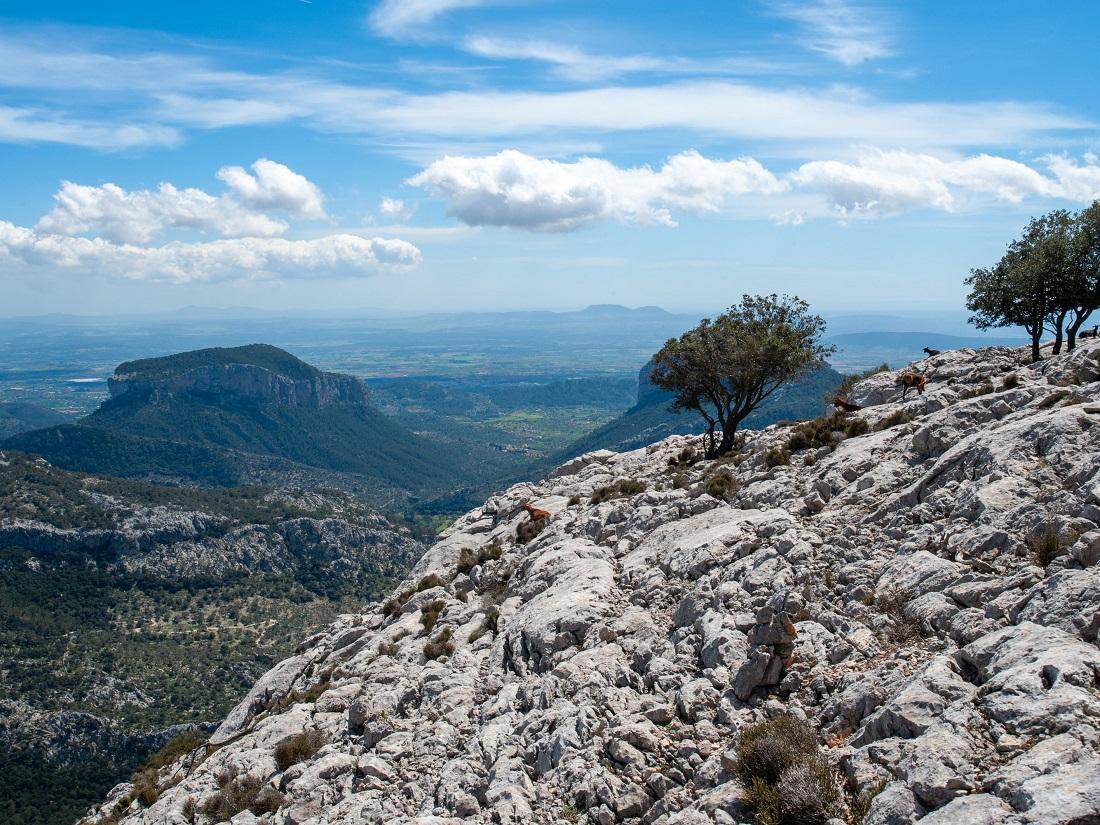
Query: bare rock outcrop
x: 924, y: 594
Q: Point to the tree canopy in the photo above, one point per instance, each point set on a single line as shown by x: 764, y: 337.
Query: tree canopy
x: 724, y: 368
x: 1048, y: 280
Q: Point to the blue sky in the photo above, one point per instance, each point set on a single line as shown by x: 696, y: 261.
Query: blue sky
x: 454, y: 154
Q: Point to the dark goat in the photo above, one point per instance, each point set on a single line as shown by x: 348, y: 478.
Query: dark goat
x: 909, y: 380
x: 845, y: 405
x: 931, y: 351
x: 1094, y: 334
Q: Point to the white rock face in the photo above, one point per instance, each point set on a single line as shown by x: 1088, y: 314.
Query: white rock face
x: 927, y: 595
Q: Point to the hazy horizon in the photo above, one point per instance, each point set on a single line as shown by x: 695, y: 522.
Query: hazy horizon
x: 412, y: 156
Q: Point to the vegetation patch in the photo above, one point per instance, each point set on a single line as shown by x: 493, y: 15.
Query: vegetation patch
x: 1046, y: 543
x: 298, y: 748
x: 776, y: 457
x: 528, y: 529
x: 817, y: 432
x: 440, y: 646
x: 471, y: 557
x: 429, y: 614
x: 780, y: 763
x: 234, y: 795
x: 622, y: 488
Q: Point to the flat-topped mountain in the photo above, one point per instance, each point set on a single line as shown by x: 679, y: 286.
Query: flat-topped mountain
x: 257, y: 371
x: 886, y: 617
x: 254, y: 414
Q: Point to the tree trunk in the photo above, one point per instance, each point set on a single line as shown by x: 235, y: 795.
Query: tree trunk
x: 1036, y: 355
x: 1072, y: 329
x: 1059, y: 320
x: 708, y: 442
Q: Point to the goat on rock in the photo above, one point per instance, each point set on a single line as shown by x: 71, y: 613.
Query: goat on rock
x: 910, y: 380
x: 536, y: 513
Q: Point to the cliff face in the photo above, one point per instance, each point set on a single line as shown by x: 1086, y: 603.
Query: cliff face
x: 245, y: 380
x: 919, y: 584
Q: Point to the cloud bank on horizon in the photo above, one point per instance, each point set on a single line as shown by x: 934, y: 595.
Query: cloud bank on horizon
x: 550, y: 117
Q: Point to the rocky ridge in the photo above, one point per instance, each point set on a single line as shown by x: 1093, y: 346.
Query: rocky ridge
x: 246, y: 381
x: 922, y: 587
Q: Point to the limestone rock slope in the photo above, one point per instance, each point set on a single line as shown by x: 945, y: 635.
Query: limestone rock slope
x: 920, y: 584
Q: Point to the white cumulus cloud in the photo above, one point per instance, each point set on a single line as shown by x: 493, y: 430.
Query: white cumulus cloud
x: 227, y: 259
x: 514, y: 189
x: 394, y: 208
x: 138, y: 216
x: 891, y: 182
x: 274, y: 186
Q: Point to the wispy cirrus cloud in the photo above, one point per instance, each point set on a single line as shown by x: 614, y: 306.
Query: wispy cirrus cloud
x: 148, y: 105
x: 407, y: 18
x: 847, y: 32
x: 573, y: 63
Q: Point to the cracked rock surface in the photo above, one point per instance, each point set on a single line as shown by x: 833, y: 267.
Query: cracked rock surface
x: 925, y: 594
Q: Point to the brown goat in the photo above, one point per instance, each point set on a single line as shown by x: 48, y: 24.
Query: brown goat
x: 844, y: 405
x: 909, y: 380
x: 536, y: 513
x: 1094, y: 334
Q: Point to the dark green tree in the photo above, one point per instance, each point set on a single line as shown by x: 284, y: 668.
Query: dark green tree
x: 1047, y: 280
x: 723, y: 369
x: 1082, y: 288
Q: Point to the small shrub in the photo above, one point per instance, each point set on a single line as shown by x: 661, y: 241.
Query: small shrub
x: 429, y: 581
x: 860, y: 805
x: 429, y: 614
x: 788, y: 781
x: 188, y: 808
x: 387, y: 649
x: 297, y: 748
x: 177, y: 746
x: 776, y: 457
x: 145, y: 787
x: 892, y: 605
x: 234, y: 796
x: 808, y: 793
x: 817, y: 432
x: 894, y: 419
x: 722, y: 485
x: 312, y: 693
x: 856, y: 427
x: 440, y: 646
x: 471, y: 557
x: 574, y: 500
x: 621, y: 489
x: 985, y: 388
x: 528, y: 530
x: 768, y: 748
x: 1046, y: 544
x: 268, y: 801
x: 679, y: 482
x: 1010, y: 381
